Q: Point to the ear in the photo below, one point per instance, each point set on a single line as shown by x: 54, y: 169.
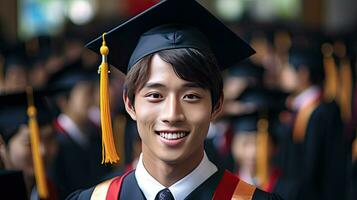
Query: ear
x: 217, y: 109
x: 129, y: 107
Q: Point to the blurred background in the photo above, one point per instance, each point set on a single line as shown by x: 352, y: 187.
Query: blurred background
x: 289, y: 120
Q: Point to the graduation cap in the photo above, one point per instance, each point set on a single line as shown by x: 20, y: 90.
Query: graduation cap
x: 246, y: 124
x: 33, y: 109
x: 13, y: 112
x: 254, y: 73
x: 170, y: 24
x: 72, y: 73
x: 265, y: 100
x: 15, y: 57
x: 311, y: 58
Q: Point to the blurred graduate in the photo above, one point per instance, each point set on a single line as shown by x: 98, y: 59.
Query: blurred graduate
x: 77, y: 163
x: 28, y: 143
x: 314, y: 150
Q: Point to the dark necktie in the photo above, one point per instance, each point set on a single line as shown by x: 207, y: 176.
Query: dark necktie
x: 164, y: 194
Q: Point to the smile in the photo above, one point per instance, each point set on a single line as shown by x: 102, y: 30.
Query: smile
x: 172, y: 135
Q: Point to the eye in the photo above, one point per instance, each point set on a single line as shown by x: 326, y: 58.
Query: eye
x: 154, y: 97
x: 191, y: 97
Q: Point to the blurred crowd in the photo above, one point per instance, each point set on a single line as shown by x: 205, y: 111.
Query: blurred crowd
x: 288, y: 124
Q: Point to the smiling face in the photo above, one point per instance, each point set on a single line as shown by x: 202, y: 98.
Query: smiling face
x: 173, y: 115
x: 19, y: 148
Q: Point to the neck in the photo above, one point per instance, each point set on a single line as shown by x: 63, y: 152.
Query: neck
x: 81, y: 123
x: 168, y: 173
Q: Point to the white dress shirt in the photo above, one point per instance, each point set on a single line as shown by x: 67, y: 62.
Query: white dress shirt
x: 182, y: 188
x: 72, y: 130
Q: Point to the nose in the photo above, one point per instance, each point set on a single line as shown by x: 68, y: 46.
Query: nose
x: 172, y: 112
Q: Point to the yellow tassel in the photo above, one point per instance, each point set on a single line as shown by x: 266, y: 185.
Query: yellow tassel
x: 39, y: 169
x: 354, y: 149
x: 331, y: 81
x: 109, y: 153
x: 344, y: 96
x: 262, y: 151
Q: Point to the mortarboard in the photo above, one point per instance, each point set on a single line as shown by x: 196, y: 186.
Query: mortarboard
x: 310, y: 57
x: 170, y: 24
x: 265, y: 100
x: 254, y: 73
x: 72, y: 73
x: 246, y: 124
x: 13, y: 112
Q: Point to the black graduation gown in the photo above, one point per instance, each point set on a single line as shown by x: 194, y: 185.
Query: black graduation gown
x: 76, y: 167
x: 130, y: 190
x: 318, y: 163
x: 287, y: 189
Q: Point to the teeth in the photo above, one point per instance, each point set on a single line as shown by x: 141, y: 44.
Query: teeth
x: 173, y: 136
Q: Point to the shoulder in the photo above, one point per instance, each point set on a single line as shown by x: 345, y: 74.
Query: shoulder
x: 329, y: 108
x: 101, y: 190
x: 232, y: 186
x: 261, y: 195
x: 81, y: 194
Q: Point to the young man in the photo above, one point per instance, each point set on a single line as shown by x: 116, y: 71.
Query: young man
x: 173, y: 91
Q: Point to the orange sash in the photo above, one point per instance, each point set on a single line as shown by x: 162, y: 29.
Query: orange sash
x: 302, y: 120
x: 232, y: 188
x: 110, y: 189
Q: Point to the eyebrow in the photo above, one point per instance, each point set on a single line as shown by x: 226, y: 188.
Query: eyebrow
x: 159, y: 85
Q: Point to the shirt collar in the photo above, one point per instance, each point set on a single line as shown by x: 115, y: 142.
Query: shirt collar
x: 305, y: 97
x: 182, y: 188
x: 72, y: 130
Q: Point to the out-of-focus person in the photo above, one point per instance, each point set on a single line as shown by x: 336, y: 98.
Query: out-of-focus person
x: 15, y: 141
x: 314, y: 151
x: 78, y: 163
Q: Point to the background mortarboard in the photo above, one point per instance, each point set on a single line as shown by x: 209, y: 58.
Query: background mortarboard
x: 72, y: 73
x: 15, y: 56
x: 245, y: 124
x: 227, y: 47
x: 13, y: 111
x: 248, y: 70
x: 309, y: 56
x: 265, y: 100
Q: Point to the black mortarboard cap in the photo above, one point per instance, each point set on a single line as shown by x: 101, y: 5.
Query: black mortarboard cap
x: 265, y: 100
x: 249, y: 124
x: 72, y: 73
x: 310, y: 57
x: 248, y: 69
x: 172, y: 24
x: 246, y: 124
x: 13, y: 111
